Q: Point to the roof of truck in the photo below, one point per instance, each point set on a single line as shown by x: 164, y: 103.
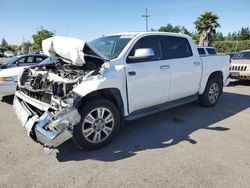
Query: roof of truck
x: 150, y: 32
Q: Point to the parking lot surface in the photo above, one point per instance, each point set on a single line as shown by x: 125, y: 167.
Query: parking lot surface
x: 189, y: 146
x: 3, y: 59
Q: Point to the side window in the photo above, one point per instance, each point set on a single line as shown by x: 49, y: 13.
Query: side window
x: 30, y: 59
x: 38, y: 59
x: 177, y: 47
x: 211, y: 51
x: 21, y: 61
x: 201, y: 51
x: 152, y: 42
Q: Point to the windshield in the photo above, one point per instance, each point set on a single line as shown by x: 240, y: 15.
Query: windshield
x: 242, y: 55
x: 111, y: 46
x: 47, y: 61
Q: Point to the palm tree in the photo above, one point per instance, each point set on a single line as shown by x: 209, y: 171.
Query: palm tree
x: 206, y: 26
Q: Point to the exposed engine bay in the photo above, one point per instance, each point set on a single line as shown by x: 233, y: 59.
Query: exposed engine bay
x: 53, y: 83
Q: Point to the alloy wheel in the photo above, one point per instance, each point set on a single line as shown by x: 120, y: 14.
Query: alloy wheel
x: 98, y: 125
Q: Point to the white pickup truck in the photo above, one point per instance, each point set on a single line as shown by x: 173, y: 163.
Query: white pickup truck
x: 92, y: 87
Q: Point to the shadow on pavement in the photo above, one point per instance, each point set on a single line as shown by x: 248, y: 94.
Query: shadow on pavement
x: 8, y: 99
x: 239, y: 82
x: 160, y: 130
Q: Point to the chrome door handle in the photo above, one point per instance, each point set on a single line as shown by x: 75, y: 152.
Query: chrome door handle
x: 196, y: 63
x: 164, y: 67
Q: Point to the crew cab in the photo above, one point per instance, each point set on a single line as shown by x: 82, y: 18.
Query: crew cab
x: 91, y: 88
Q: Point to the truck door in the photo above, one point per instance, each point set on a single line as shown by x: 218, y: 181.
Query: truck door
x: 186, y: 67
x: 148, y: 78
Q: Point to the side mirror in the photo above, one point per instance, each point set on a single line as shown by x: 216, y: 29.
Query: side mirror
x: 141, y: 54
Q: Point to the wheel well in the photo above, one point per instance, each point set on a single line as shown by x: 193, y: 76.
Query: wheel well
x: 219, y: 75
x: 111, y: 94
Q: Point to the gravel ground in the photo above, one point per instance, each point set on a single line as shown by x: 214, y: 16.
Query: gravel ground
x: 189, y: 146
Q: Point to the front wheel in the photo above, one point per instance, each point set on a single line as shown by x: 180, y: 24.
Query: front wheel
x: 212, y: 92
x: 100, y: 122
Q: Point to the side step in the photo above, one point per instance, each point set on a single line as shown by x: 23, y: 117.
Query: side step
x: 161, y: 107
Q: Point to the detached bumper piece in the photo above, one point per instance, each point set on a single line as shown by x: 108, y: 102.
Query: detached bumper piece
x: 48, y: 129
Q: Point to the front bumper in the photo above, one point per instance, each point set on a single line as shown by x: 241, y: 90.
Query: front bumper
x: 243, y: 75
x: 48, y: 129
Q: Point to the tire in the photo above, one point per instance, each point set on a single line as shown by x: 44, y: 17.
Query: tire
x: 212, y: 92
x: 100, y: 122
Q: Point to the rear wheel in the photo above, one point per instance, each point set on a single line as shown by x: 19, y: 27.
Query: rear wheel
x: 100, y: 122
x: 212, y: 92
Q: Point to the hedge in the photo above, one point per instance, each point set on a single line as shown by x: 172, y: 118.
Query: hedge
x: 231, y: 46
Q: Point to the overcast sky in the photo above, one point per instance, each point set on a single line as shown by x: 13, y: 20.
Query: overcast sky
x: 86, y: 20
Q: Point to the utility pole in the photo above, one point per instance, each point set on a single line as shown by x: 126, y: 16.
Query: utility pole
x: 146, y: 18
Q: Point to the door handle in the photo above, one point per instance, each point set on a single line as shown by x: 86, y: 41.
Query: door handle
x: 164, y: 67
x: 196, y: 63
x: 131, y: 73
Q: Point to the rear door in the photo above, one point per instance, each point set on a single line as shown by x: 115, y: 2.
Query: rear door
x: 147, y: 80
x: 186, y: 67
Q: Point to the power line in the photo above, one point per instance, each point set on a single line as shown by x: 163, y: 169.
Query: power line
x: 146, y: 18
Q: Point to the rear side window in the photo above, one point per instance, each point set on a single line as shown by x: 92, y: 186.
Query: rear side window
x: 211, y: 51
x: 201, y: 51
x: 176, y: 47
x: 30, y: 59
x: 38, y: 59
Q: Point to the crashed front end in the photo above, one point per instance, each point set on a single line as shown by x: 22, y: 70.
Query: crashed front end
x: 43, y: 123
x: 45, y: 102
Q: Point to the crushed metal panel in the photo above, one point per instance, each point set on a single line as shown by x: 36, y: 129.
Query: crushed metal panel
x: 68, y: 48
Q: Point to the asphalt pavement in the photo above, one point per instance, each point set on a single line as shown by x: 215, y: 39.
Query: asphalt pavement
x: 189, y: 146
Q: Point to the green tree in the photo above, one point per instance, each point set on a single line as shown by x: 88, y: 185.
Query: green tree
x: 26, y: 46
x: 206, y: 25
x: 218, y: 36
x: 195, y: 36
x: 235, y: 36
x: 40, y: 36
x: 4, y: 43
x: 175, y: 29
x: 244, y: 34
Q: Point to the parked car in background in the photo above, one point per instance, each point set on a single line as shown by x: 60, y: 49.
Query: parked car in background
x: 23, y: 60
x: 8, y: 54
x: 240, y: 65
x: 1, y: 54
x: 94, y: 86
x: 33, y: 52
x: 8, y: 77
x: 20, y: 53
x: 206, y: 50
x: 231, y: 55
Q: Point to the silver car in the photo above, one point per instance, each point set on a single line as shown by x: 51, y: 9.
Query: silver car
x: 23, y: 60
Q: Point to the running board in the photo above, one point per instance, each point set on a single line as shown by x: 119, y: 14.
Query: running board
x: 161, y: 107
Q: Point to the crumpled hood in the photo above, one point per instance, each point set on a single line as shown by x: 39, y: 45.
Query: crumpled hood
x: 71, y: 50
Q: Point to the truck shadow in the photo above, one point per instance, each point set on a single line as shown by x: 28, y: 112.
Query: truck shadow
x: 161, y: 130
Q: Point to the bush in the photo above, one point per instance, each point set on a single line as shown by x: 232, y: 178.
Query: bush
x: 231, y: 46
